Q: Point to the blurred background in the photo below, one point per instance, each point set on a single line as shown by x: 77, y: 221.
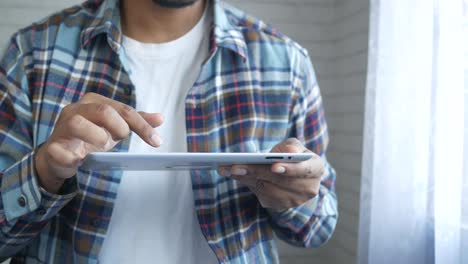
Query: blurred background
x: 337, y: 35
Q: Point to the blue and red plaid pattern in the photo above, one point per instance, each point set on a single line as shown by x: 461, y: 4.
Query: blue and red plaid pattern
x: 257, y: 89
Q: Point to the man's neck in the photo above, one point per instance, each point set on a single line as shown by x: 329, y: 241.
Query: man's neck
x: 148, y: 22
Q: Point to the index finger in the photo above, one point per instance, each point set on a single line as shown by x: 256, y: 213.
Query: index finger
x: 135, y: 121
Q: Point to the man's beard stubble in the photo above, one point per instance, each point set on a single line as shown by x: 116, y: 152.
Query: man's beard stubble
x: 174, y: 3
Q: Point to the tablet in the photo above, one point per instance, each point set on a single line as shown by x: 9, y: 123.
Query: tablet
x: 183, y: 161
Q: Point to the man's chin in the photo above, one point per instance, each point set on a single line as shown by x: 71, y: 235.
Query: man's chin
x: 174, y: 3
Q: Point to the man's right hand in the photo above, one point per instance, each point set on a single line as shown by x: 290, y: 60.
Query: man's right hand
x: 94, y: 123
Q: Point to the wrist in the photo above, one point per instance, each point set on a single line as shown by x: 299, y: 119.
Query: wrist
x: 45, y: 177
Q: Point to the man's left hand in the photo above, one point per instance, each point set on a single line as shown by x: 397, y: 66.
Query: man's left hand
x: 282, y: 185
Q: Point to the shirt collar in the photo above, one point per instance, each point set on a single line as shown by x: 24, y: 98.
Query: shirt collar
x: 106, y: 21
x: 225, y: 31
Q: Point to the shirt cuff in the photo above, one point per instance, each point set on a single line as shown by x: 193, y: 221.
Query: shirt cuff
x: 23, y: 197
x: 288, y: 216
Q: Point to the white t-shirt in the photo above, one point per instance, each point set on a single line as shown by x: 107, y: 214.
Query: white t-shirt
x: 154, y: 219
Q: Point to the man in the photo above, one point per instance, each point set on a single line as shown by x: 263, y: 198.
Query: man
x: 178, y: 75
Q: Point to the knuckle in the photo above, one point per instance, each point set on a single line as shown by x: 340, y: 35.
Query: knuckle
x: 104, y: 110
x: 79, y: 156
x: 293, y: 141
x: 57, y: 158
x: 310, y: 191
x: 311, y: 169
x: 295, y: 203
x: 265, y: 203
x: 67, y: 108
x: 66, y: 111
x: 49, y: 150
x: 75, y: 122
x: 321, y: 170
x: 124, y: 132
x: 127, y: 111
x: 88, y: 96
x: 317, y: 170
x: 102, y: 140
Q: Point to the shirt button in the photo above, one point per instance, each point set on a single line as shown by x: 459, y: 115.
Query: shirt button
x: 128, y: 91
x: 22, y: 201
x: 96, y: 222
x: 41, y: 211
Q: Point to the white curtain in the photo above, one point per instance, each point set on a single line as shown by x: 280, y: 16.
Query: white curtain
x: 413, y: 179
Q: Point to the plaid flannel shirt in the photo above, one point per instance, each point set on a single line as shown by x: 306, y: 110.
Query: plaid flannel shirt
x: 256, y: 89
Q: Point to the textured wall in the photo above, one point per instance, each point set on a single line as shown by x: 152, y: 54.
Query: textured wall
x: 344, y: 93
x: 465, y: 198
x: 15, y: 14
x: 335, y: 32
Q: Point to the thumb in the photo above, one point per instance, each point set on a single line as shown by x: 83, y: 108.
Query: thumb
x: 290, y: 145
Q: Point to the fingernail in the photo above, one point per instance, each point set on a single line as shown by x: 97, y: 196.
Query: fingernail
x: 225, y: 173
x: 280, y: 170
x: 156, y: 140
x: 239, y: 171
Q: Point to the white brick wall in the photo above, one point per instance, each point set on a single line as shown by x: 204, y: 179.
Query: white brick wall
x: 335, y: 33
x: 465, y: 198
x: 344, y: 104
x: 15, y: 14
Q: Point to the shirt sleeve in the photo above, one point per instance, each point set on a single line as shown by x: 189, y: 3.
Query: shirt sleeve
x: 25, y: 207
x: 311, y: 224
